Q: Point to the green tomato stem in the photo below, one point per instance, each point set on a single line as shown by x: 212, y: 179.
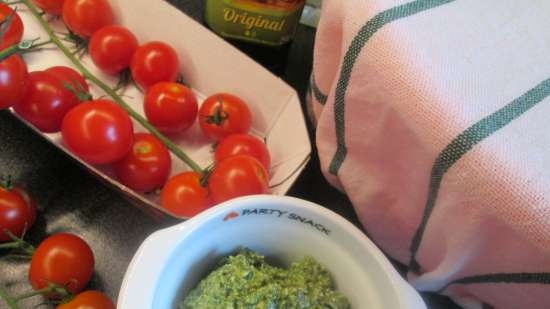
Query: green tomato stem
x: 22, y: 48
x: 10, y: 301
x: 55, y: 289
x: 18, y: 243
x: 9, y: 245
x: 109, y: 91
x: 41, y: 44
x: 14, y: 49
x: 30, y: 294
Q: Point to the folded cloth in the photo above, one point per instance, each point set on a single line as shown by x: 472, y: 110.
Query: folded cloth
x: 434, y: 117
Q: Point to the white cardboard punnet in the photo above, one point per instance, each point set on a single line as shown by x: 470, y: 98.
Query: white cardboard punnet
x: 209, y: 65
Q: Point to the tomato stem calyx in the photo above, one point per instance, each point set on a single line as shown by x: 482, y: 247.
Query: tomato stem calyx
x: 219, y: 115
x: 80, y: 93
x: 80, y: 44
x: 125, y: 78
x: 181, y: 80
x: 6, y: 183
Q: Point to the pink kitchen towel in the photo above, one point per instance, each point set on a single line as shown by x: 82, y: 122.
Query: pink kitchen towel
x: 434, y: 117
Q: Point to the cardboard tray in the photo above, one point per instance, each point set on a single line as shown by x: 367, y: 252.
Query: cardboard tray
x: 209, y: 65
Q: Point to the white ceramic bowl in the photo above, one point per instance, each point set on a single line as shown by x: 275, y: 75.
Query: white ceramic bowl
x: 172, y: 261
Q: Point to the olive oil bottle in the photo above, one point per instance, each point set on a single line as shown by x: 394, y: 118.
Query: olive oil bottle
x: 263, y: 29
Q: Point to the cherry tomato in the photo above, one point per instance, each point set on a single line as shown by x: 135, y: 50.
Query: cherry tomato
x: 147, y: 166
x: 45, y: 102
x: 171, y: 107
x: 154, y: 62
x: 62, y: 259
x: 53, y: 7
x: 84, y: 17
x: 13, y: 79
x: 223, y: 114
x: 69, y: 75
x: 183, y: 195
x: 99, y: 132
x: 236, y: 144
x: 17, y: 212
x: 14, y: 32
x: 88, y: 300
x: 112, y: 48
x: 236, y: 176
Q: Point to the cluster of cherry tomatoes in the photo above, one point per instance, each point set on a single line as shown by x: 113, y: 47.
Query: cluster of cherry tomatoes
x: 100, y: 131
x: 61, y: 266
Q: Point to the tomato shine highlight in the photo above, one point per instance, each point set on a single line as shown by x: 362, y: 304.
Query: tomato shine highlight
x: 99, y: 132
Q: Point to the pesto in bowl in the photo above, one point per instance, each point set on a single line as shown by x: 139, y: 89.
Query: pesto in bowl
x: 245, y: 280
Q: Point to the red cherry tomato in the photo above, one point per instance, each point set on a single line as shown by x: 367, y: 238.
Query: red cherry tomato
x: 223, y: 114
x: 53, y: 7
x: 236, y: 176
x: 62, y: 259
x: 14, y: 32
x: 154, y: 62
x: 84, y: 17
x: 69, y: 75
x: 99, y: 132
x: 171, y: 107
x: 17, y: 212
x: 13, y: 80
x: 147, y: 166
x: 88, y: 300
x: 46, y: 101
x: 236, y: 144
x: 184, y: 196
x: 112, y: 48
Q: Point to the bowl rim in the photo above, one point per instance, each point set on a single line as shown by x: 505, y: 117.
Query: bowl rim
x: 182, y: 230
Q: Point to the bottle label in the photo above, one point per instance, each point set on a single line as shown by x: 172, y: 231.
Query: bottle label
x: 268, y: 22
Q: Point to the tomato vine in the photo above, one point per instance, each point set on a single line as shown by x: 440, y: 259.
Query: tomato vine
x: 53, y: 38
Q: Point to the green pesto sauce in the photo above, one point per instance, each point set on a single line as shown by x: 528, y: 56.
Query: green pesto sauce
x: 246, y: 281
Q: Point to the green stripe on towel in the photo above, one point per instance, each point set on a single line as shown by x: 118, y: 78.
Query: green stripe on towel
x: 509, y: 278
x: 366, y: 32
x: 464, y: 143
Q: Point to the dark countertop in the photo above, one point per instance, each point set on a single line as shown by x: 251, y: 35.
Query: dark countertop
x: 74, y: 201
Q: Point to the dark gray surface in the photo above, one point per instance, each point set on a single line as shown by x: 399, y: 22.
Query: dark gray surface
x: 72, y: 200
